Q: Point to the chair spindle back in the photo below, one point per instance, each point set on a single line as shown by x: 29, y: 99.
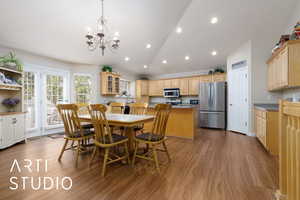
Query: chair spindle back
x: 138, y: 108
x: 117, y: 108
x: 69, y: 115
x: 100, y: 123
x: 161, y: 119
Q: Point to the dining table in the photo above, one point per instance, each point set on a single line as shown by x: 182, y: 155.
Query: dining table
x: 123, y: 120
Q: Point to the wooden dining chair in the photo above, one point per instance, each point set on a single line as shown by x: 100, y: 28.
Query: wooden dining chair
x: 105, y: 139
x: 138, y: 109
x: 117, y: 107
x: 73, y: 130
x: 156, y: 137
x: 84, y: 110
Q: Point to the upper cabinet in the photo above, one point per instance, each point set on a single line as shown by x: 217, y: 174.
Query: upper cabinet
x: 142, y: 88
x: 110, y: 83
x: 156, y: 87
x: 219, y: 77
x: 194, y: 86
x: 284, y: 67
x: 188, y: 86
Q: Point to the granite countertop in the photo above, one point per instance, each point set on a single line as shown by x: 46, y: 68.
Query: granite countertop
x: 177, y: 106
x: 267, y: 107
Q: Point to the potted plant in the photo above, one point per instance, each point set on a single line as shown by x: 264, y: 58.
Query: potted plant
x: 219, y: 70
x: 11, y: 61
x: 10, y: 103
x: 106, y: 68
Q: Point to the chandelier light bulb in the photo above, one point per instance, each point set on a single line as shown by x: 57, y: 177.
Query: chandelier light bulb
x: 145, y: 66
x: 148, y: 46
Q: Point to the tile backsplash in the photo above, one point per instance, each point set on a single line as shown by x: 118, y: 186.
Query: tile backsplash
x: 185, y: 100
x: 291, y: 93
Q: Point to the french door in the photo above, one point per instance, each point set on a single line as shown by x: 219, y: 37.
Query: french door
x: 43, y: 89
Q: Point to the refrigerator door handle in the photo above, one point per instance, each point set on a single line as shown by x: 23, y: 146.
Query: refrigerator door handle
x: 210, y: 97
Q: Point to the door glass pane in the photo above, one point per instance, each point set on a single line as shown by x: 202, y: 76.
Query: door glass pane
x: 30, y: 99
x: 55, y: 96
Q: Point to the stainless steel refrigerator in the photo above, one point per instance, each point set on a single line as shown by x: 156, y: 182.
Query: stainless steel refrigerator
x: 212, y: 105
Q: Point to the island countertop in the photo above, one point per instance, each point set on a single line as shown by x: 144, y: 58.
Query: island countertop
x: 267, y: 107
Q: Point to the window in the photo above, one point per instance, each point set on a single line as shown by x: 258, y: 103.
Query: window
x: 55, y: 86
x: 30, y: 99
x: 82, y: 85
x: 124, y: 87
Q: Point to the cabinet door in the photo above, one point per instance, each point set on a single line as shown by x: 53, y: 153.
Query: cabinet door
x: 167, y: 83
x: 144, y: 88
x: 152, y: 86
x: 159, y: 87
x: 116, y: 84
x: 7, y: 131
x: 184, y: 86
x: 206, y: 78
x: 19, y: 127
x: 109, y: 84
x: 219, y: 77
x: 284, y: 67
x: 194, y: 86
x: 175, y: 83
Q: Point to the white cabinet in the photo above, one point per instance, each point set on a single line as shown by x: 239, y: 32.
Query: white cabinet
x: 12, y: 130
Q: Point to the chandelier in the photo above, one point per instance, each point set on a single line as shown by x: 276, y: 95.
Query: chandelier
x: 101, y: 38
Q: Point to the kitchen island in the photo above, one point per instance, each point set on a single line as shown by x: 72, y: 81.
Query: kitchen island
x: 182, y: 121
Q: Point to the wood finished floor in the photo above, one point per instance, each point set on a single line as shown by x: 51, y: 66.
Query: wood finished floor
x: 212, y: 167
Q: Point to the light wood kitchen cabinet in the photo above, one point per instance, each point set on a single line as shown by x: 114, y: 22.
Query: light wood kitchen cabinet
x: 175, y: 83
x: 194, y: 86
x: 266, y: 129
x: 184, y: 86
x: 284, y: 67
x: 110, y: 83
x: 167, y: 83
x: 156, y: 87
x: 206, y: 78
x: 188, y: 86
x: 219, y: 77
x: 142, y: 88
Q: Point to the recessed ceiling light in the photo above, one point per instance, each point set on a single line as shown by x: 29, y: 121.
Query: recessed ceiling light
x: 214, y: 53
x: 164, y: 61
x: 145, y: 66
x: 214, y: 20
x: 126, y: 58
x: 179, y: 30
x: 148, y: 46
x: 117, y: 34
x: 186, y: 57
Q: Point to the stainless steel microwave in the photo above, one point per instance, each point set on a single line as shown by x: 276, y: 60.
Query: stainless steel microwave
x: 171, y: 92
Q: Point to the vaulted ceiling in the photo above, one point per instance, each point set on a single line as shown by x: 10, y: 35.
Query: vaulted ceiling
x: 56, y: 29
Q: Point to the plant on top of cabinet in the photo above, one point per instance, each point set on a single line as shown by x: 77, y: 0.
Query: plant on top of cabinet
x: 11, y: 62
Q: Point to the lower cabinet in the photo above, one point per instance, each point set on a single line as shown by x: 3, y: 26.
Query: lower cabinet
x: 12, y: 129
x: 266, y: 129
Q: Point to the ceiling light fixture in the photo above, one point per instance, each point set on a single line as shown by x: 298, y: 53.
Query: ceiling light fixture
x: 214, y: 53
x: 126, y: 58
x: 145, y: 66
x: 214, y: 20
x: 101, y: 38
x: 164, y: 61
x: 186, y: 57
x: 179, y: 30
x: 148, y: 46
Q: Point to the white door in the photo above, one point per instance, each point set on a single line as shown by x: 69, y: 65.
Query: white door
x: 238, y: 112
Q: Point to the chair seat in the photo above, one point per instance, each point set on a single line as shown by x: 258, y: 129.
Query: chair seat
x: 153, y: 137
x: 86, y: 133
x: 87, y: 126
x: 115, y: 138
